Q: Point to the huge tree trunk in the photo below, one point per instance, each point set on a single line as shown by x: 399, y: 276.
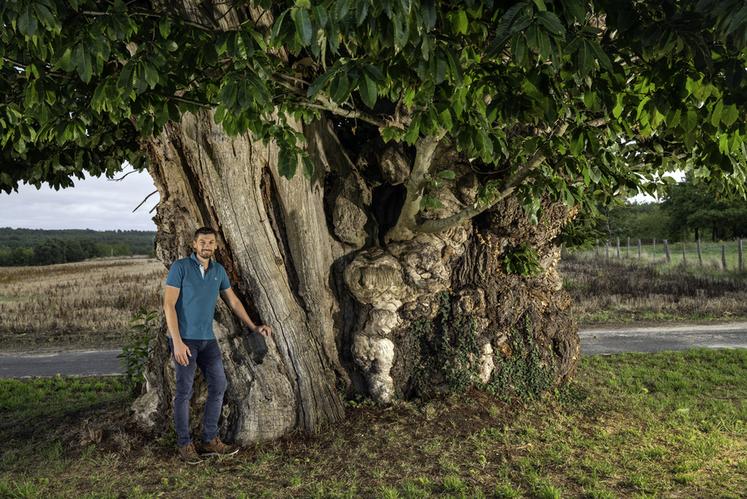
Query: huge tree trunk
x: 350, y: 313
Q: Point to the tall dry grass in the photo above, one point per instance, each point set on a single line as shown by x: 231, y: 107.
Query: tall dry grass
x: 84, y: 304
x: 620, y: 291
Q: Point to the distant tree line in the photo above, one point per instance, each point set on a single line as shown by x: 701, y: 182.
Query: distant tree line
x: 688, y: 212
x: 45, y: 247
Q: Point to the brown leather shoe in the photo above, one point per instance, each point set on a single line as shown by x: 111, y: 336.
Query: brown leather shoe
x: 188, y: 454
x: 217, y: 448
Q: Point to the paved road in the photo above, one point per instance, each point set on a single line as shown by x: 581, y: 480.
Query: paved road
x: 661, y: 338
x: 593, y: 342
x: 77, y: 363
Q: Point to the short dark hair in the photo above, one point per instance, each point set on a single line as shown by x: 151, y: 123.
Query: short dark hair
x: 204, y: 231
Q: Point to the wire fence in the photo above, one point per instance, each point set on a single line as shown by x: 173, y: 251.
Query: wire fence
x: 723, y: 255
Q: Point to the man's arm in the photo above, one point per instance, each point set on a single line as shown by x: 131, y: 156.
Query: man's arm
x: 238, y: 308
x: 181, y: 351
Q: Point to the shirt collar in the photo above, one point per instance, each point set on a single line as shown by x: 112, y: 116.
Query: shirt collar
x: 193, y: 257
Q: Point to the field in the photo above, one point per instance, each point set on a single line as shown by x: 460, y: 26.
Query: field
x: 90, y: 304
x: 86, y: 304
x: 620, y: 291
x: 632, y: 425
x: 682, y: 254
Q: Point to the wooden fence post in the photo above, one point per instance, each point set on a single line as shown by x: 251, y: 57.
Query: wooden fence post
x: 639, y: 249
x: 627, y: 252
x: 700, y: 255
x: 666, y: 251
x: 653, y: 252
x: 741, y: 255
x: 723, y: 257
x: 684, y: 255
x: 618, y: 248
x: 596, y: 248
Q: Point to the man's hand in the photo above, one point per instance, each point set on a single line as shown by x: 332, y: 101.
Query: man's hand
x: 181, y: 353
x: 264, y: 330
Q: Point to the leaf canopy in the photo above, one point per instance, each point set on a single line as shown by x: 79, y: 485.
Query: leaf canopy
x: 611, y: 93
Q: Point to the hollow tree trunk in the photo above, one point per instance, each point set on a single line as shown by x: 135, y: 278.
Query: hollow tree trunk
x: 352, y: 314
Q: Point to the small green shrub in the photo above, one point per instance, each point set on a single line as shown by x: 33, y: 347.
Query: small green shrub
x: 522, y: 260
x: 144, y: 325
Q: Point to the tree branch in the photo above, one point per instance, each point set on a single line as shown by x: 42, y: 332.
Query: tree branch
x: 509, y: 186
x: 425, y: 148
x: 144, y: 200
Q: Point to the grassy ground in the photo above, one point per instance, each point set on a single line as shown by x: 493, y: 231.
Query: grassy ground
x: 626, y: 291
x: 76, y: 305
x: 668, y: 425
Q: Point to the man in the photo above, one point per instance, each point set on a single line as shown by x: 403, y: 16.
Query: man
x: 192, y: 288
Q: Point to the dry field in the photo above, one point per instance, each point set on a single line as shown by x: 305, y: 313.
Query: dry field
x: 86, y: 304
x: 620, y: 292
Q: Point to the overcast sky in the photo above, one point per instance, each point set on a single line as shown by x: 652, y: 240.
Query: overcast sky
x: 94, y: 203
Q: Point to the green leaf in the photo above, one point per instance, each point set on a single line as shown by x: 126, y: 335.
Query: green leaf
x: 506, y: 26
x: 690, y: 121
x: 428, y: 11
x: 361, y: 11
x: 430, y: 202
x: 540, y: 5
x: 413, y: 132
x: 151, y: 75
x: 585, y: 57
x: 340, y: 87
x: 317, y: 84
x: 460, y: 22
x: 27, y: 22
x: 164, y: 27
x: 446, y: 121
x: 730, y: 115
x: 619, y: 107
x: 303, y: 26
x: 287, y: 162
x: 551, y: 23
x: 716, y: 114
x: 367, y: 90
x: 342, y: 7
x: 391, y: 133
x: 603, y: 59
x: 576, y: 8
x: 446, y: 174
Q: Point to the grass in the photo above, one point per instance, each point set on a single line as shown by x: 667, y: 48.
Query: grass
x: 670, y: 424
x: 76, y: 305
x: 655, y: 254
x: 624, y: 291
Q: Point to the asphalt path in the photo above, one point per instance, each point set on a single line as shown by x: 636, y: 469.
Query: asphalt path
x: 593, y: 342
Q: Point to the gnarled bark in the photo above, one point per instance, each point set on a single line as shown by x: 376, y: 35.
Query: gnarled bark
x: 434, y: 312
x: 360, y: 301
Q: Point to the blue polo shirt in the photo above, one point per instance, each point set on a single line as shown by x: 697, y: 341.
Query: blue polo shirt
x: 196, y: 304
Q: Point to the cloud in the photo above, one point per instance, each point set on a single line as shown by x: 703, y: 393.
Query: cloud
x: 94, y: 203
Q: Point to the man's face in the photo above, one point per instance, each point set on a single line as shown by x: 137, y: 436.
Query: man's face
x: 204, y: 245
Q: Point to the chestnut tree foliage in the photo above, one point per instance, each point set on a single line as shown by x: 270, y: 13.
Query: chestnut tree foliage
x: 569, y: 99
